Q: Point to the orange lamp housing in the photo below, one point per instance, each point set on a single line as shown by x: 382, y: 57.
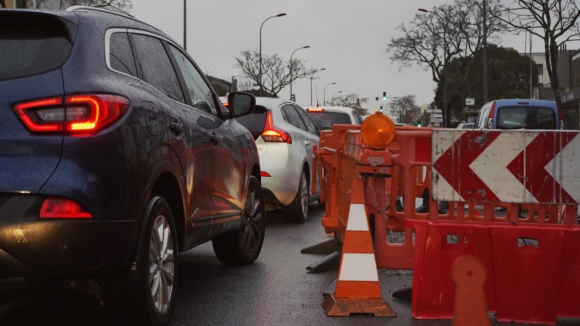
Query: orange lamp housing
x: 378, y: 131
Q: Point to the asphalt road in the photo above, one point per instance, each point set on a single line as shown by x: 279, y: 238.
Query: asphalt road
x: 275, y: 290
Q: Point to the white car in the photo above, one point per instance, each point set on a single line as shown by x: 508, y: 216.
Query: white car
x: 326, y: 116
x: 284, y: 134
x: 465, y: 125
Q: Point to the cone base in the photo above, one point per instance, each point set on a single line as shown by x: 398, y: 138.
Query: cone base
x: 345, y: 307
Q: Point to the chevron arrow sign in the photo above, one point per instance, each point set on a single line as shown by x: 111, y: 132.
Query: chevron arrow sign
x: 516, y: 166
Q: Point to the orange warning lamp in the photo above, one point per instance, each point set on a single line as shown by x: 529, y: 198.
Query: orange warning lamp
x: 378, y: 131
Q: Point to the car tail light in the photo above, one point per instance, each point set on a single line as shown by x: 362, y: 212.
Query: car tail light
x: 56, y: 207
x: 72, y: 114
x: 272, y: 134
x: 560, y: 116
x: 491, y: 113
x: 265, y: 174
x: 315, y: 110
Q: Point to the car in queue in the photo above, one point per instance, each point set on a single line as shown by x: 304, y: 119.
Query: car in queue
x: 465, y: 125
x: 520, y: 114
x: 285, y: 135
x: 326, y: 116
x: 116, y: 155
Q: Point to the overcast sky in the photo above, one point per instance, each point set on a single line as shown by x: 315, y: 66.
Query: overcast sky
x: 349, y: 38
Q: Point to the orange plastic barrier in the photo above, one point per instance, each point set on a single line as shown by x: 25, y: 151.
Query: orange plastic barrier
x: 327, y: 159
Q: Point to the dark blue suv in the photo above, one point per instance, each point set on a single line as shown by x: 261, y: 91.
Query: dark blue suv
x: 115, y: 155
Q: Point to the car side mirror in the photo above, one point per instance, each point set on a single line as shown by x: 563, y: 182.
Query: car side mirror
x: 240, y: 103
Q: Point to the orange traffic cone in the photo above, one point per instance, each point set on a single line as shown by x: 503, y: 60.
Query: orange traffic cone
x: 357, y: 287
x: 468, y: 273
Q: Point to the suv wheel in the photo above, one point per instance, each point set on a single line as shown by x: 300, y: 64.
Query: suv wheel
x: 243, y: 246
x: 145, y: 294
x: 297, y: 211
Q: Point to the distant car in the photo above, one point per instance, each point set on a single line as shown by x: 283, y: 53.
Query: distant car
x: 465, y: 125
x: 285, y: 135
x: 116, y: 155
x: 326, y: 116
x: 520, y: 114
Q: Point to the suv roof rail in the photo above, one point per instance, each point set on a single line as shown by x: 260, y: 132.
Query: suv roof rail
x: 115, y: 12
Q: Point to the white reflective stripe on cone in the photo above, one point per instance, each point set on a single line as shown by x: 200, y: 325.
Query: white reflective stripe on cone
x: 357, y: 218
x: 358, y: 267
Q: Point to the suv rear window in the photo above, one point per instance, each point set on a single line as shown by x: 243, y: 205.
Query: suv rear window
x: 327, y: 119
x: 519, y: 117
x: 254, y: 122
x: 31, y: 44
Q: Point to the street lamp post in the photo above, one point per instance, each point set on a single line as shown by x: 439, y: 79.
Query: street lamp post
x: 184, y: 25
x: 445, y: 112
x: 260, y: 73
x: 304, y: 47
x: 332, y: 97
x: 485, y: 91
x: 324, y: 102
x: 312, y: 77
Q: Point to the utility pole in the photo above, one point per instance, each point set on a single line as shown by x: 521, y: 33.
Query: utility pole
x: 485, y: 91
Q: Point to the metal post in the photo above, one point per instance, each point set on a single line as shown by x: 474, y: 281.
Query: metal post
x: 324, y: 102
x: 184, y: 25
x: 304, y: 47
x: 332, y: 97
x: 485, y: 91
x: 260, y: 73
x: 531, y: 70
x: 312, y: 77
x: 446, y: 118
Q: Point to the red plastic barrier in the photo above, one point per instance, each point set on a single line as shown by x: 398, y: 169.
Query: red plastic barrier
x: 569, y: 305
x: 533, y: 269
x: 527, y: 265
x: 437, y: 247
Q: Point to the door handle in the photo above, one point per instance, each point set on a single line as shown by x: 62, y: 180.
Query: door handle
x: 176, y: 126
x: 215, y: 139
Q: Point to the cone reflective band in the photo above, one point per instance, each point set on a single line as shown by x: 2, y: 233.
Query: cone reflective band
x: 378, y: 131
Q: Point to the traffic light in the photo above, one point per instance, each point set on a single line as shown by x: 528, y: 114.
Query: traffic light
x: 419, y: 123
x: 293, y: 98
x: 381, y: 109
x: 385, y: 96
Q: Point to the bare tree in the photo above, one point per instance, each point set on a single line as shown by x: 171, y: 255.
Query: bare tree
x: 447, y: 32
x: 275, y: 71
x: 351, y: 100
x: 554, y: 21
x: 401, y: 107
x: 120, y: 5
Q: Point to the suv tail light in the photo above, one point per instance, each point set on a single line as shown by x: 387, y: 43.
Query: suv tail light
x: 274, y: 135
x: 72, y: 114
x: 56, y: 207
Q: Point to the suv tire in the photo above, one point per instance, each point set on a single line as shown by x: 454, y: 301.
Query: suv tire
x: 297, y: 211
x: 243, y: 246
x: 135, y: 297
